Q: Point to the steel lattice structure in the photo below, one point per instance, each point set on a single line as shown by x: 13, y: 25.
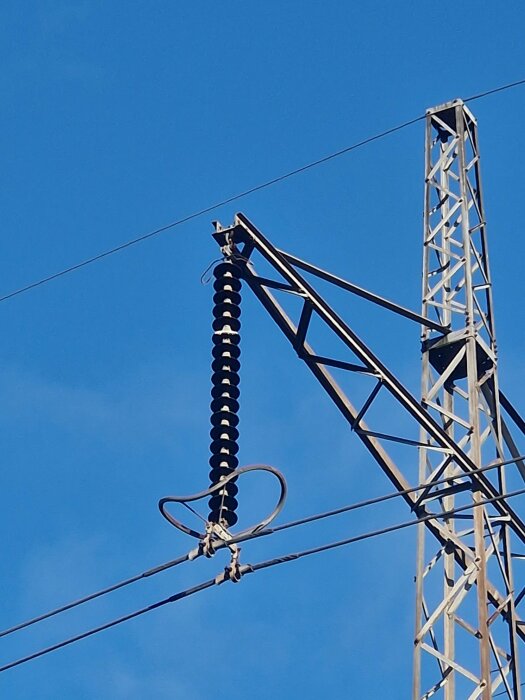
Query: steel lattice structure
x: 467, y: 627
x: 460, y: 388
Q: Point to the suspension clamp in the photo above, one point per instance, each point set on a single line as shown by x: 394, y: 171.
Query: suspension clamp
x: 215, y: 532
x: 224, y: 235
x: 234, y: 571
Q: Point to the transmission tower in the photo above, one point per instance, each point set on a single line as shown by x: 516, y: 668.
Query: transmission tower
x: 467, y: 628
x: 464, y: 643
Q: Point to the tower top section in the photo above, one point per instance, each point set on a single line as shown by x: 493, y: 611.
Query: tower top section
x: 448, y: 113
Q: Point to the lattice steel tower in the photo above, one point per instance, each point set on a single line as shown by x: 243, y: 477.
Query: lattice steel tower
x: 466, y: 624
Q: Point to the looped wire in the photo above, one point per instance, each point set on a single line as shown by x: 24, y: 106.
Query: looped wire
x: 208, y: 272
x: 215, y: 531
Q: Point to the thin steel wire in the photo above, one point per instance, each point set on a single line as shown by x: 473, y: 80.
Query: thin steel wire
x: 376, y: 533
x: 240, y: 195
x: 209, y: 209
x: 104, y: 591
x: 493, y: 91
x: 113, y: 623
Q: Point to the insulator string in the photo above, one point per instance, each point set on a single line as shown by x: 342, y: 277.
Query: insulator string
x: 225, y: 391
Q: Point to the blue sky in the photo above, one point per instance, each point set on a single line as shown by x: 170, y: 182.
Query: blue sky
x: 118, y: 118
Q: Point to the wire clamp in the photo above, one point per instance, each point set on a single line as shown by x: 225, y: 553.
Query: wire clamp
x: 233, y: 572
x: 215, y: 532
x: 225, y: 238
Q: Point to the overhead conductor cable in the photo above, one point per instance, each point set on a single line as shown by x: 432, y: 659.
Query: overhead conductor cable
x: 252, y: 568
x: 240, y: 195
x: 246, y: 535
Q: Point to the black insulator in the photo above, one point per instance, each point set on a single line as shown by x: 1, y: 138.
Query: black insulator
x: 227, y: 296
x: 226, y: 351
x: 226, y: 310
x: 225, y: 500
x: 229, y: 431
x: 220, y: 362
x: 225, y: 378
x: 224, y: 405
x: 220, y: 417
x: 219, y: 473
x: 224, y: 515
x: 229, y: 338
x: 230, y: 447
x: 231, y: 491
x: 226, y: 325
x: 226, y: 278
x: 224, y: 461
x: 225, y: 392
x: 223, y: 348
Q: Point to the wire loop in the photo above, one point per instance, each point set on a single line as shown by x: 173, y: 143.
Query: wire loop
x: 215, y: 531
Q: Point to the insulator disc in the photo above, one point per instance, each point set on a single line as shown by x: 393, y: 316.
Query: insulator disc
x: 225, y: 463
x: 228, y: 432
x: 225, y: 347
x: 228, y: 516
x: 229, y: 390
x: 224, y: 268
x: 232, y: 489
x: 228, y: 381
x: 233, y: 324
x: 230, y: 273
x: 227, y: 311
x: 226, y: 284
x: 229, y: 446
x: 217, y: 474
x: 230, y: 338
x: 227, y: 295
x: 229, y: 503
x: 223, y: 490
x: 225, y: 376
x: 222, y: 418
x: 224, y: 404
x: 226, y: 362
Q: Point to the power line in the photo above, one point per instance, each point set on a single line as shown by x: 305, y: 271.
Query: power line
x: 252, y: 568
x: 493, y: 91
x: 208, y: 209
x: 92, y: 596
x: 113, y: 623
x: 370, y: 501
x: 240, y: 195
x: 376, y: 533
x: 244, y: 538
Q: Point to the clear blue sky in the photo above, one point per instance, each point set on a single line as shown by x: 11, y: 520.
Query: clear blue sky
x: 120, y: 117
